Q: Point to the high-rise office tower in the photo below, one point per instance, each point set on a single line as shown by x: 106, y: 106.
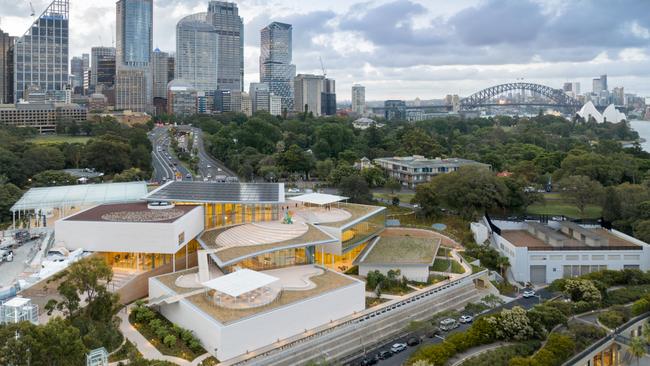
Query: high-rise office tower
x: 603, y: 82
x: 133, y: 84
x: 259, y: 93
x: 328, y: 98
x: 197, y: 53
x: 6, y: 68
x: 171, y: 65
x: 230, y: 27
x: 275, y: 62
x: 102, y: 68
x: 308, y: 89
x: 160, y: 73
x: 76, y: 74
x: 41, y: 54
x: 359, y: 99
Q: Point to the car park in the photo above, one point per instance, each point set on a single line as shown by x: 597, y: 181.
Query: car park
x: 398, y: 347
x: 464, y: 319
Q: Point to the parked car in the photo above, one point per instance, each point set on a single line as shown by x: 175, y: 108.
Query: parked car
x: 529, y: 293
x: 448, y: 324
x: 367, y: 361
x: 433, y: 332
x: 293, y: 190
x: 188, y: 175
x: 465, y: 319
x: 398, y: 347
x: 413, y: 341
x: 383, y: 355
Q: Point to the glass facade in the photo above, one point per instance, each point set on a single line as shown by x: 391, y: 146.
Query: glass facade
x: 362, y: 231
x: 230, y: 28
x: 277, y: 259
x: 133, y: 89
x: 275, y: 62
x: 41, y: 54
x: 146, y: 261
x: 102, y: 67
x: 197, y: 52
x: 226, y: 214
x: 339, y: 262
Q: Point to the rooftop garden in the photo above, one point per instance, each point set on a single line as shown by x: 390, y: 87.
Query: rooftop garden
x: 403, y: 249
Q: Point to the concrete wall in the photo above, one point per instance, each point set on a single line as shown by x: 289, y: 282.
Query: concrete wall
x: 415, y: 272
x: 236, y: 338
x: 480, y: 232
x: 146, y: 237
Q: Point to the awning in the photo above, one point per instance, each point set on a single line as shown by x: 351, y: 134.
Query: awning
x: 319, y: 198
x: 240, y: 282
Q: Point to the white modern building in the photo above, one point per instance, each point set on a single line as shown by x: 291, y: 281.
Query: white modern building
x: 416, y: 169
x: 359, y: 99
x: 541, y: 253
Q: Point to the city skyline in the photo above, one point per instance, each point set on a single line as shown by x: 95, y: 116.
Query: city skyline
x: 437, y: 52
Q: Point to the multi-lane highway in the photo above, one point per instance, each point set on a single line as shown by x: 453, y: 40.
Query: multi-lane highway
x: 168, y: 167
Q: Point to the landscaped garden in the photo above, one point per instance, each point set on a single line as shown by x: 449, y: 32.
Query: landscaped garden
x: 502, y: 355
x: 391, y: 283
x: 447, y: 265
x: 168, y: 338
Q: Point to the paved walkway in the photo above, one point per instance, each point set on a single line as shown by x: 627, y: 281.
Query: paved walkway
x: 462, y: 357
x: 147, y: 349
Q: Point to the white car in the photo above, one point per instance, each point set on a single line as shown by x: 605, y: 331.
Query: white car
x: 529, y: 293
x: 466, y: 319
x: 398, y: 347
x: 293, y: 190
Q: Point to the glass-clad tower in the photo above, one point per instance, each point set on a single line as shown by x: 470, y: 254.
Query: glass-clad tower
x: 102, y: 68
x: 224, y: 16
x: 275, y: 62
x: 41, y: 54
x: 197, y: 52
x: 134, y: 84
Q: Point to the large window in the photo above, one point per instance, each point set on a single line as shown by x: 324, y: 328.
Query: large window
x: 360, y: 232
x: 277, y: 259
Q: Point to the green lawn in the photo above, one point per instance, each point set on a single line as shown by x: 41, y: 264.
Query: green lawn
x: 442, y: 265
x: 564, y: 208
x: 58, y: 139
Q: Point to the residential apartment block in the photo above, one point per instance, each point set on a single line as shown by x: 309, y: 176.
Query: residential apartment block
x: 416, y: 169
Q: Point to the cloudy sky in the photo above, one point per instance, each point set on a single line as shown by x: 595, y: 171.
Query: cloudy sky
x: 414, y: 48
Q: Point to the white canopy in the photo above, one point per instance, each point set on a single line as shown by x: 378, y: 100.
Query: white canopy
x: 240, y: 282
x: 319, y: 198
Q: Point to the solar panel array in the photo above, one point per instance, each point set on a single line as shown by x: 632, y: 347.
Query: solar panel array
x: 217, y: 192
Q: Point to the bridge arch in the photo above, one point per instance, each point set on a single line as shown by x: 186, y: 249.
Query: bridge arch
x: 481, y: 98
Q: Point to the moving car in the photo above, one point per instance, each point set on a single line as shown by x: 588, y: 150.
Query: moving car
x: 464, y: 319
x: 188, y: 175
x: 367, y: 360
x: 293, y: 190
x: 398, y: 347
x: 529, y: 293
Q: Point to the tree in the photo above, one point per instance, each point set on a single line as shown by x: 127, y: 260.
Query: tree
x: 637, y: 348
x: 642, y: 230
x: 374, y: 176
x: 580, y: 190
x: 393, y: 185
x: 582, y: 290
x: 52, y: 178
x: 39, y: 158
x: 9, y: 194
x: 512, y: 324
x: 355, y: 187
x: 295, y: 160
x: 130, y: 175
x: 611, y: 205
x: 503, y: 263
x: 108, y: 156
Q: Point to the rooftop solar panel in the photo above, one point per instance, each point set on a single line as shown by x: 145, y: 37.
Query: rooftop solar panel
x: 219, y: 192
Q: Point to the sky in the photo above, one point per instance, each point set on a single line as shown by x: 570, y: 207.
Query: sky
x: 403, y: 49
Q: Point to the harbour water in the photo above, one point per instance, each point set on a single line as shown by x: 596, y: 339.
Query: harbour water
x: 643, y: 128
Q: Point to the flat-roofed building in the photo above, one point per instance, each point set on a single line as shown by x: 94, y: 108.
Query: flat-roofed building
x: 416, y: 169
x: 541, y: 253
x: 41, y: 116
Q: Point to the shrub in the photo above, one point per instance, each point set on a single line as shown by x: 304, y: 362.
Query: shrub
x: 582, y: 290
x: 169, y: 341
x: 614, y: 318
x: 640, y: 306
x: 512, y: 324
x: 558, y: 348
x: 161, y: 332
x: 155, y: 324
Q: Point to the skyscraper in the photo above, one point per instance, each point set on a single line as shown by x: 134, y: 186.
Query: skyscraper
x: 359, y: 99
x: 41, y: 54
x: 308, y: 89
x: 6, y: 68
x: 133, y: 85
x: 197, y: 52
x: 230, y: 28
x: 328, y: 98
x: 160, y: 61
x: 77, y: 74
x: 275, y: 62
x: 102, y: 68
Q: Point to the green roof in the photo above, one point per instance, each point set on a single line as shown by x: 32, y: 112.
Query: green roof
x: 402, y: 250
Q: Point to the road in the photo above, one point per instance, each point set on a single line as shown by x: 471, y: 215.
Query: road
x: 401, y: 358
x: 166, y: 164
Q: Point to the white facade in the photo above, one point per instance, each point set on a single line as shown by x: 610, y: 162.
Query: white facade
x: 530, y: 265
x: 139, y: 237
x: 307, y: 90
x: 359, y: 99
x: 229, y: 340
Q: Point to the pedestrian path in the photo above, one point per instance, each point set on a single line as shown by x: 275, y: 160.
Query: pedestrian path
x: 476, y: 351
x: 147, y: 349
